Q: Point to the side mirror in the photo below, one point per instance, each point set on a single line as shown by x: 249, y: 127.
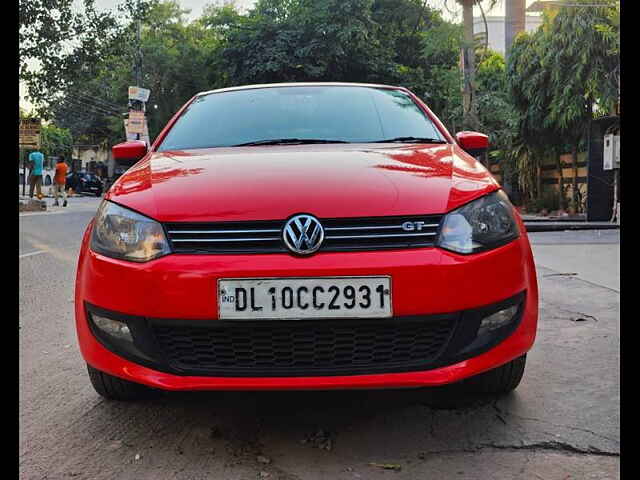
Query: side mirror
x: 474, y: 143
x: 133, y: 150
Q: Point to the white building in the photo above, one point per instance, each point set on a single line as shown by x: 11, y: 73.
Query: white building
x: 92, y: 156
x: 495, y: 25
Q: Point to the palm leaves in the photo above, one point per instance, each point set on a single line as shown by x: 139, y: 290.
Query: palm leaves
x: 559, y: 77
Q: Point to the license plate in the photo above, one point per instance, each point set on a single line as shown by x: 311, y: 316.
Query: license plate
x: 304, y: 298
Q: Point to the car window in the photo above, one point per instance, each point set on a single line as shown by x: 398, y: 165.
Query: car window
x: 344, y: 113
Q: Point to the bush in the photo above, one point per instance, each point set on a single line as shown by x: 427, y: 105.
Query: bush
x: 549, y: 200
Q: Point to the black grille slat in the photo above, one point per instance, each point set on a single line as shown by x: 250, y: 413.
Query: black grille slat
x: 264, y: 236
x: 276, y: 348
x: 213, y: 238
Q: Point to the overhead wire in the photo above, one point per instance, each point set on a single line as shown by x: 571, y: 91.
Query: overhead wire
x: 94, y: 105
x: 90, y: 106
x: 90, y: 97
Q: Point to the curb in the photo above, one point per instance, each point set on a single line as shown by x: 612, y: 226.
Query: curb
x: 539, y: 226
x: 554, y: 220
x: 32, y: 205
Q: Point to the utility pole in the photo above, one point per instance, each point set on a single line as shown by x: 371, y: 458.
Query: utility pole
x: 136, y: 124
x: 139, y: 55
x: 137, y: 104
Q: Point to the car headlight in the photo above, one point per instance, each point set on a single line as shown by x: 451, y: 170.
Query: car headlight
x: 122, y: 233
x: 483, y: 224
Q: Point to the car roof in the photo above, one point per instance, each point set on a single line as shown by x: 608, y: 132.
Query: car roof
x: 298, y: 84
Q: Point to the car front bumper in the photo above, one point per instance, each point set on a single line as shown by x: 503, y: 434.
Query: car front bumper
x: 426, y: 282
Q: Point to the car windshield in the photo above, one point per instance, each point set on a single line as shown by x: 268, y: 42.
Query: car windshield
x: 297, y: 114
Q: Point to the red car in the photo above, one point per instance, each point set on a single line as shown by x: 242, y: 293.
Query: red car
x: 305, y: 236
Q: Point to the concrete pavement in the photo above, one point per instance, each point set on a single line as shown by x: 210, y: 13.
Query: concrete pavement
x: 592, y: 256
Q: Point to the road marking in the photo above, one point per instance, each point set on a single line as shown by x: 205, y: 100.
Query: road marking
x: 77, y: 209
x: 32, y: 214
x: 37, y: 252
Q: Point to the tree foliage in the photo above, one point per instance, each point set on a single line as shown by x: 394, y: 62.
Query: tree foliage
x: 402, y: 42
x: 496, y: 114
x: 55, y: 41
x: 538, y: 104
x: 560, y: 77
x: 304, y: 40
x: 55, y: 141
x: 91, y: 100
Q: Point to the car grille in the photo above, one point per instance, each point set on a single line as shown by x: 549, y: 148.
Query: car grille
x: 341, y: 234
x: 303, y: 348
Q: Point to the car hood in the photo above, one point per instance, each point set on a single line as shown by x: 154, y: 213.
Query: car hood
x: 275, y: 182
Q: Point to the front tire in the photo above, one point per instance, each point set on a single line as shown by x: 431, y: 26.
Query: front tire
x: 114, y: 388
x: 477, y: 390
x: 501, y: 380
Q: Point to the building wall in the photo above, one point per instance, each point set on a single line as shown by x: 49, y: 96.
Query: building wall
x: 496, y: 29
x: 92, y: 153
x: 93, y: 158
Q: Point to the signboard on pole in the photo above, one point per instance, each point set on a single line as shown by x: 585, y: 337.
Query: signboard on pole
x: 145, y: 133
x: 129, y: 134
x: 136, y: 122
x: 30, y: 133
x: 139, y: 93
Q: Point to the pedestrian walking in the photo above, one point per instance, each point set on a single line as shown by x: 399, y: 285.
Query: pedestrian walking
x: 59, y: 181
x: 36, y: 160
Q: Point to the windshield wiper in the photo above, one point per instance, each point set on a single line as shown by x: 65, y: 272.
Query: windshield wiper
x: 288, y: 141
x: 411, y: 140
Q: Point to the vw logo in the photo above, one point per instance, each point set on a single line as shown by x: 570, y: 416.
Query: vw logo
x: 303, y: 234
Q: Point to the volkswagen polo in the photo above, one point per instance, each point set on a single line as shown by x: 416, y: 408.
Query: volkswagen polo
x: 305, y: 236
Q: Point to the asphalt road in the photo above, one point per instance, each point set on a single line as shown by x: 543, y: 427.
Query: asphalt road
x: 563, y: 422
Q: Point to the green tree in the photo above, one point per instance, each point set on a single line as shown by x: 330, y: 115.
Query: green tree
x: 531, y: 96
x: 439, y: 59
x: 54, y: 39
x: 55, y: 140
x: 470, y: 108
x: 589, y: 88
x: 556, y: 103
x: 496, y: 115
x: 177, y: 63
x: 304, y: 40
x: 401, y: 42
